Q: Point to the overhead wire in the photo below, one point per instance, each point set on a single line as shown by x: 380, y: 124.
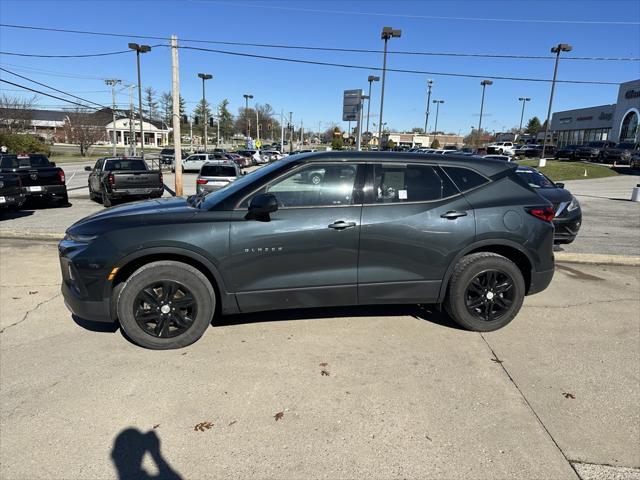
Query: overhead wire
x: 39, y: 92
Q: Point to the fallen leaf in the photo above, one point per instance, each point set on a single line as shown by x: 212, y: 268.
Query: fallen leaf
x: 497, y: 360
x: 428, y: 438
x: 16, y: 298
x: 203, y: 426
x: 278, y: 416
x: 324, y: 364
x: 33, y: 292
x: 324, y: 373
x: 568, y: 395
x: 235, y: 421
x: 156, y: 426
x: 184, y: 353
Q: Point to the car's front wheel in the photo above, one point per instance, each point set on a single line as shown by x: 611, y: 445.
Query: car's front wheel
x: 485, y: 292
x: 165, y: 305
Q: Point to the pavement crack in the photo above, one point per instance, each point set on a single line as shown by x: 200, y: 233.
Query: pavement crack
x: 28, y: 312
x: 526, y: 401
x: 594, y: 302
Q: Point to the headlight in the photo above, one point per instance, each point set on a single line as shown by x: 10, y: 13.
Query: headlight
x: 573, y: 205
x: 80, y: 238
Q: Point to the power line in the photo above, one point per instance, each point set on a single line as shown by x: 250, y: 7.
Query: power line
x: 419, y: 72
x: 45, y: 94
x: 52, y: 73
x: 87, y: 55
x: 299, y: 47
x: 51, y: 88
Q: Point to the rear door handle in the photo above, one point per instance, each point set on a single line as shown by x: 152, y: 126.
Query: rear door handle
x: 341, y: 225
x: 452, y: 215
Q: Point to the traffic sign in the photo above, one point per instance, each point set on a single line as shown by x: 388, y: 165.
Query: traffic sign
x: 258, y: 143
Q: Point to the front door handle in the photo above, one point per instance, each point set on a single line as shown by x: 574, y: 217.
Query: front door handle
x: 341, y: 225
x: 452, y: 215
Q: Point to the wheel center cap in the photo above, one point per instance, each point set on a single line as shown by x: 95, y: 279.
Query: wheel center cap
x: 165, y: 309
x: 490, y: 295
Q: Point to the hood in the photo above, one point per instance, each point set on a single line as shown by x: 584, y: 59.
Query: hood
x: 133, y: 214
x: 555, y: 195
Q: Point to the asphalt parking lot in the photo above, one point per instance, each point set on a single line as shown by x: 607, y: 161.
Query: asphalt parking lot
x: 405, y: 394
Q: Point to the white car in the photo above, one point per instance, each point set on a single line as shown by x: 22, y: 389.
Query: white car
x: 193, y: 163
x: 501, y: 148
x: 271, y: 155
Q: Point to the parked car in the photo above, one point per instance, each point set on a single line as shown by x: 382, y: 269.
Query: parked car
x: 592, y: 150
x: 216, y: 175
x: 620, y: 153
x: 168, y: 155
x: 254, y: 155
x: 271, y: 155
x: 567, y: 152
x: 568, y: 214
x: 239, y: 160
x: 635, y: 159
x: 40, y: 178
x: 500, y: 148
x: 504, y: 158
x: 407, y: 230
x: 123, y: 178
x: 11, y: 195
x: 534, y: 151
x: 193, y: 163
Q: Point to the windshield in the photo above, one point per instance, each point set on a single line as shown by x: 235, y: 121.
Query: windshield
x: 217, y: 171
x: 534, y: 178
x: 112, y: 165
x: 212, y: 198
x: 626, y: 146
x: 596, y: 144
x: 33, y: 161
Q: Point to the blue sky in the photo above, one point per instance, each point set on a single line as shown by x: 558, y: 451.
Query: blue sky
x: 314, y: 93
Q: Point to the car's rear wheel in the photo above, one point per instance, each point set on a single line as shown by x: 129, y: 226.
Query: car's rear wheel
x: 485, y: 292
x: 165, y: 305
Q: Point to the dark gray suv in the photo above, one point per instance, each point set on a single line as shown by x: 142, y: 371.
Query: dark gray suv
x: 378, y: 228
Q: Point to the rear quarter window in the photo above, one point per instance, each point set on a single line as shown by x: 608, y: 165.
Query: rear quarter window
x: 464, y: 178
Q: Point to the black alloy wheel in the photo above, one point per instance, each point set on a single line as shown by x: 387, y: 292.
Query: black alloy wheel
x: 490, y: 295
x: 165, y: 309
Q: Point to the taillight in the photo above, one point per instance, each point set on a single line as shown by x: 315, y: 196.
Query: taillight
x: 201, y: 181
x: 547, y: 213
x: 61, y: 176
x: 111, y: 180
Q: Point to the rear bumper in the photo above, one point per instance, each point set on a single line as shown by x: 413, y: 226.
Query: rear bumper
x: 135, y: 192
x: 13, y: 200
x: 40, y: 190
x: 540, y: 280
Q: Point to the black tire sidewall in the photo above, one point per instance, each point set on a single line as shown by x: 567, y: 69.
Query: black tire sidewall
x: 187, y: 275
x: 466, y: 270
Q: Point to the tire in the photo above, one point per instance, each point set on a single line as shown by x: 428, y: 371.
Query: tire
x: 467, y: 287
x: 185, y: 278
x: 106, y: 200
x: 64, y: 200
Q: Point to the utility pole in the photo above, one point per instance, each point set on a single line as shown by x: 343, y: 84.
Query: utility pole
x: 246, y: 114
x: 132, y: 133
x: 281, y: 131
x: 113, y: 82
x: 191, y: 133
x: 301, y: 132
x: 218, y: 130
x: 435, y: 131
x: 205, y: 76
x: 257, y: 125
x: 561, y: 47
x: 175, y: 84
x: 290, y: 133
x: 426, y: 117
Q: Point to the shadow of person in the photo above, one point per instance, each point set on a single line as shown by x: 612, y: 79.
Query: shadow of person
x: 128, y: 452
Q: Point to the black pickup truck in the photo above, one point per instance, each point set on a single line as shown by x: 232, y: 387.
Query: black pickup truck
x: 11, y: 195
x: 40, y: 178
x: 117, y: 178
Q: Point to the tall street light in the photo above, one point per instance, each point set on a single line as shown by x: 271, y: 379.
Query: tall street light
x: 370, y: 79
x: 246, y: 111
x: 484, y: 84
x: 435, y: 131
x: 204, y: 77
x: 561, y: 47
x: 523, y: 100
x: 426, y: 116
x: 387, y: 33
x: 140, y: 49
x: 112, y: 83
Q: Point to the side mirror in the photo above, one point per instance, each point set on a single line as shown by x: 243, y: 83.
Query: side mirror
x: 87, y: 168
x: 53, y: 164
x: 261, y: 206
x: 559, y: 185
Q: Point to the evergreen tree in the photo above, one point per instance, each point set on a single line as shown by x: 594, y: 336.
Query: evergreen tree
x: 533, y: 126
x: 226, y: 120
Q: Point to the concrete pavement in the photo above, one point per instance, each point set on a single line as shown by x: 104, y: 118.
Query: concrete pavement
x: 407, y: 395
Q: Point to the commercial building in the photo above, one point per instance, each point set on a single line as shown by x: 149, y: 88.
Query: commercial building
x: 617, y: 122
x: 411, y: 140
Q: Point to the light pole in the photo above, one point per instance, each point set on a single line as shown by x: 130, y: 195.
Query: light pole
x: 484, y: 84
x: 257, y: 125
x: 204, y: 77
x: 140, y: 49
x: 113, y: 82
x: 246, y: 112
x: 523, y: 100
x: 561, y: 47
x: 370, y: 79
x: 426, y: 116
x: 387, y: 33
x: 435, y: 131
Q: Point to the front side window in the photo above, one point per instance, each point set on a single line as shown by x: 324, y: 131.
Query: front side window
x: 398, y: 183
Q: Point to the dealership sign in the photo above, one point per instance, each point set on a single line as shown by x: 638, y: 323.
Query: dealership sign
x: 351, y: 105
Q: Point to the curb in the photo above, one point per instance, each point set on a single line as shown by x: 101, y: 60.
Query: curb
x: 597, y: 259
x: 30, y: 235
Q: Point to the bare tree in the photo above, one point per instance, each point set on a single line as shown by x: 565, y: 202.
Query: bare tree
x: 150, y: 105
x: 16, y: 113
x: 84, y: 128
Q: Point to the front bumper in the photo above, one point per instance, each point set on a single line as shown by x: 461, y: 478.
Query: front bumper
x: 94, y: 311
x: 567, y: 227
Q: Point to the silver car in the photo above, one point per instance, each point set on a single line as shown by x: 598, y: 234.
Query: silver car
x: 216, y: 175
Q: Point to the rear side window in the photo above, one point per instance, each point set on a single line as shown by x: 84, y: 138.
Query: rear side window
x: 464, y: 178
x: 398, y: 183
x: 218, y: 171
